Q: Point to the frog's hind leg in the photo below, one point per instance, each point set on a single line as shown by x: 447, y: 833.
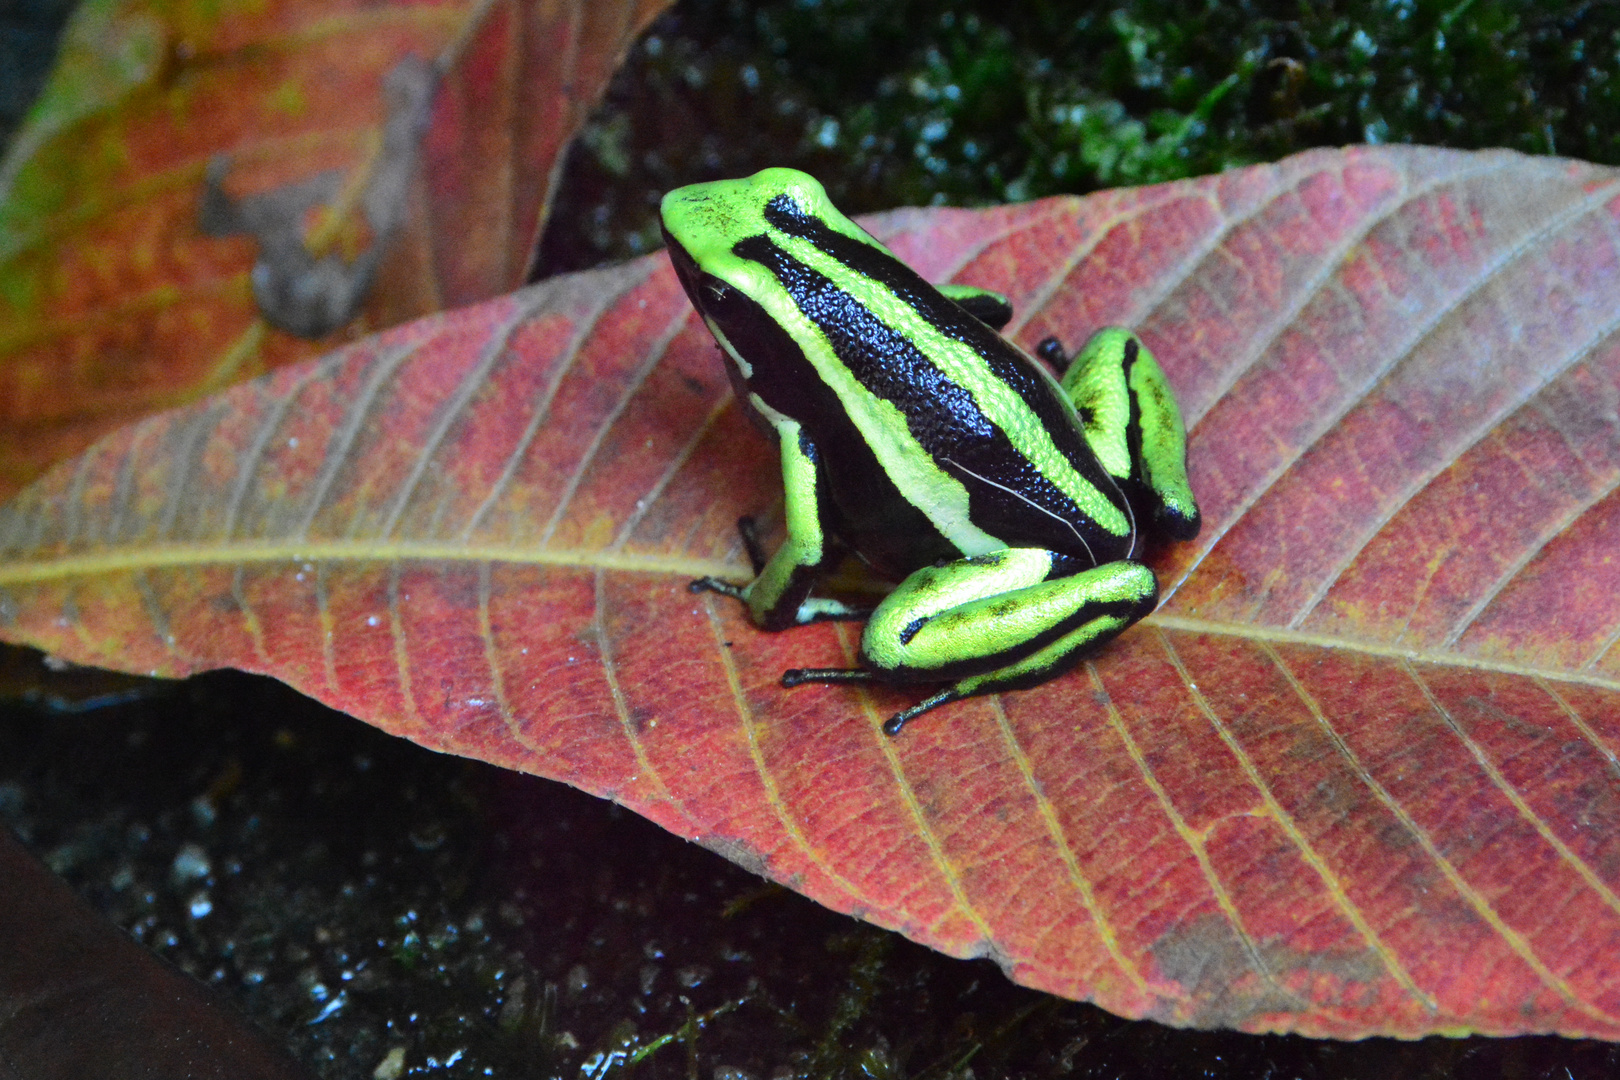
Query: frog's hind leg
x: 990, y: 308
x: 1133, y: 425
x: 999, y: 621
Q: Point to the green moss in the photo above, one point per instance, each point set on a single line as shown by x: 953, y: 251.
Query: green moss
x: 932, y: 101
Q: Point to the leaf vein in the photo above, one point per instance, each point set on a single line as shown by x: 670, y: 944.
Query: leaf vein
x: 948, y: 871
x: 1042, y: 294
x: 455, y: 406
x: 250, y: 618
x: 756, y: 753
x: 497, y: 674
x: 1290, y: 828
x: 1517, y: 566
x: 402, y: 658
x: 196, y: 424
x: 659, y: 349
x: 1313, y: 283
x: 1423, y: 330
x: 645, y: 504
x: 1453, y: 876
x: 601, y: 300
x: 337, y: 452
x: 1600, y: 744
x: 73, y: 502
x: 1194, y: 842
x: 1376, y: 523
x: 1514, y: 796
x: 249, y: 463
x: 621, y: 705
x: 1106, y: 931
x: 328, y: 625
x: 153, y: 609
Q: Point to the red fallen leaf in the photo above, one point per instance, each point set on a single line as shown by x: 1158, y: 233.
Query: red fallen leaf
x: 1358, y: 775
x: 115, y: 300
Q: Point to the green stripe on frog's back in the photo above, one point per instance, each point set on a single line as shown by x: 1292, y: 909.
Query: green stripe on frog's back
x: 903, y: 359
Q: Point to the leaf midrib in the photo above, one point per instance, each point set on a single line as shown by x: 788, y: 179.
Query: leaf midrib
x: 129, y: 559
x: 162, y: 556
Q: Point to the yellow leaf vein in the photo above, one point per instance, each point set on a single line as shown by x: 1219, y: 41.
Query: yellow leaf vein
x: 1194, y: 842
x: 908, y: 796
x: 497, y: 674
x: 454, y: 408
x: 1507, y: 788
x: 153, y: 609
x: 599, y: 299
x: 1290, y: 828
x: 621, y: 706
x: 1600, y: 744
x: 1331, y: 261
x: 250, y: 618
x: 337, y: 450
x: 1488, y: 274
x: 1071, y: 864
x: 248, y: 466
x: 1371, y: 526
x: 767, y: 778
x: 656, y: 491
x: 1514, y: 568
x: 73, y: 501
x: 1453, y: 876
x: 327, y: 625
x: 185, y: 461
x: 402, y: 658
x: 659, y: 347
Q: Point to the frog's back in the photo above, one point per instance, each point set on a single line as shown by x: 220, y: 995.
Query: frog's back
x: 896, y: 382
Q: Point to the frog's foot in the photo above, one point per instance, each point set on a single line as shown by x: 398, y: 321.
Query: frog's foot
x: 799, y: 676
x: 891, y: 726
x: 1037, y: 668
x: 1052, y: 351
x: 1130, y: 419
x: 724, y: 588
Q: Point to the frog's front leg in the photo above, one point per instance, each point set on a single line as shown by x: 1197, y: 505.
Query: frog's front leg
x: 779, y: 596
x: 999, y: 621
x: 1132, y: 423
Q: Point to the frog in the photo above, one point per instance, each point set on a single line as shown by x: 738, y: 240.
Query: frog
x: 1010, y: 495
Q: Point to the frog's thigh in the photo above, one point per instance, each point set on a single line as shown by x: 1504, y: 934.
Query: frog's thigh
x: 977, y: 616
x: 1052, y: 658
x: 1133, y: 424
x: 1096, y: 384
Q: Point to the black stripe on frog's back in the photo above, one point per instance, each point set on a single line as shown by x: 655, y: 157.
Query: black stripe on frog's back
x: 940, y: 313
x: 868, y: 513
x: 1008, y: 497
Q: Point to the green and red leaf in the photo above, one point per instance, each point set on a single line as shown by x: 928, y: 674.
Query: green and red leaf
x: 113, y: 299
x: 1357, y: 776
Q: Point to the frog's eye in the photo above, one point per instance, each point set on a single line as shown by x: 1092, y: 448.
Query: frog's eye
x: 716, y: 290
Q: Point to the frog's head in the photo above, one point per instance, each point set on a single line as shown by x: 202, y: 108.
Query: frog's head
x: 704, y: 224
